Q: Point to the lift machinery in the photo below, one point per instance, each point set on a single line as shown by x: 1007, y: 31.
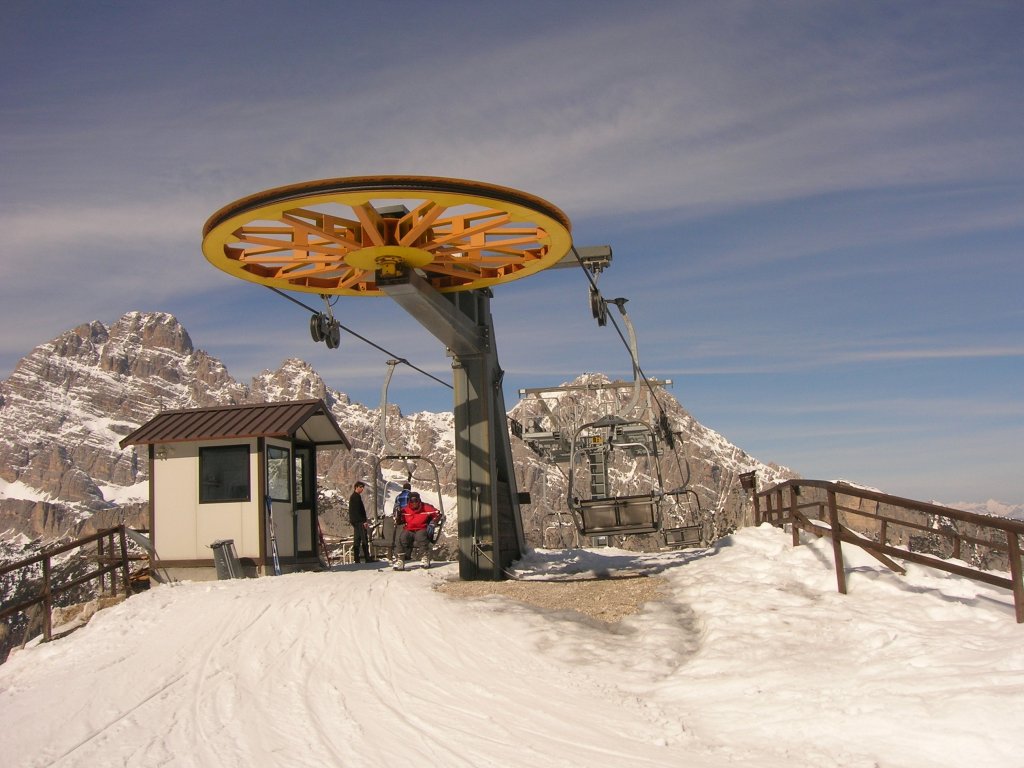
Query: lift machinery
x: 435, y: 246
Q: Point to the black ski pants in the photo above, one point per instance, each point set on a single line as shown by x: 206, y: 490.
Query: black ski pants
x: 360, y: 542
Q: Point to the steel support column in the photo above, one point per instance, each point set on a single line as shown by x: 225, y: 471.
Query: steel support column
x: 489, y: 521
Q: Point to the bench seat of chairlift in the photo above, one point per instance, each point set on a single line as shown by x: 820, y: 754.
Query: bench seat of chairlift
x: 683, y: 536
x: 620, y: 514
x: 384, y: 537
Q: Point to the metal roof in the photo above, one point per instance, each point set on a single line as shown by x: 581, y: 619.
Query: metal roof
x: 308, y: 420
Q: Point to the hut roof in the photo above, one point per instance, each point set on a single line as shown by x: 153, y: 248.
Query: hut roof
x: 308, y: 420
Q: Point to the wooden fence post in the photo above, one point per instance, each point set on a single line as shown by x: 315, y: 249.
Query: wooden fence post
x: 1016, y: 574
x: 113, y: 574
x: 100, y: 553
x: 47, y: 600
x: 794, y: 528
x: 124, y: 564
x: 837, y: 546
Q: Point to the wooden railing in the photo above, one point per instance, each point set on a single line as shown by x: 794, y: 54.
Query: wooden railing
x: 887, y: 526
x: 111, y: 560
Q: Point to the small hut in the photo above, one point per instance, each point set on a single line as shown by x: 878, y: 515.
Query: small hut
x: 240, y: 473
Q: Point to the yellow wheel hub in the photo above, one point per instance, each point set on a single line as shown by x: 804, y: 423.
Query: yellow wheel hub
x: 333, y: 236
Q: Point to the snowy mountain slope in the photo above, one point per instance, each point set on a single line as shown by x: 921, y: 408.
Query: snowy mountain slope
x: 70, y: 400
x: 751, y: 659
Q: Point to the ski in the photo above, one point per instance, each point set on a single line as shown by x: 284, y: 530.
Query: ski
x: 273, y: 536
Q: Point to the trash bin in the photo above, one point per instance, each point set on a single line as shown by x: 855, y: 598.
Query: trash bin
x: 225, y: 559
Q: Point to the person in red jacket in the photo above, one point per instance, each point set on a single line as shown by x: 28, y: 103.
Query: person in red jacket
x: 418, y: 515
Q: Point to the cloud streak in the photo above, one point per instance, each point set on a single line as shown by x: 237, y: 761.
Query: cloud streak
x: 804, y: 188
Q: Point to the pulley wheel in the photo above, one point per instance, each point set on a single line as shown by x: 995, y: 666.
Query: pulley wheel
x: 334, y: 236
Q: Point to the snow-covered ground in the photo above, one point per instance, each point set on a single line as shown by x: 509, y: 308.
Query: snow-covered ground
x: 753, y: 659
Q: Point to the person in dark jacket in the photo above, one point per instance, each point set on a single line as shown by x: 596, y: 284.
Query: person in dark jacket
x: 360, y: 526
x: 418, y: 516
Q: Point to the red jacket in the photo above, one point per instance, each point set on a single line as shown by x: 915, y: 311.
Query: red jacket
x: 417, y: 519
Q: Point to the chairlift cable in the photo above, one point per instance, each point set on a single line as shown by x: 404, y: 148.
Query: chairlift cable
x: 684, y: 477
x: 632, y: 357
x: 364, y: 339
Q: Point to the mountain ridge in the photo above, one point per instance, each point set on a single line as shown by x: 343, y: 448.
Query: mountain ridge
x: 70, y: 400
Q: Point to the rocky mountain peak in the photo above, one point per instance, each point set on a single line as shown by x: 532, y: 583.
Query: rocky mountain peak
x: 295, y: 379
x: 70, y: 400
x: 152, y: 330
x: 139, y: 341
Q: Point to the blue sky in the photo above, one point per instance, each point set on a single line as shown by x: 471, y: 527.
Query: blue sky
x: 816, y: 208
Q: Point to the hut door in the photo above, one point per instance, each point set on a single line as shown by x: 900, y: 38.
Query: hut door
x: 305, y: 497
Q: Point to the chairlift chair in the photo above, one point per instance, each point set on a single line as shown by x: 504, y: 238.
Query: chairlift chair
x: 545, y: 429
x: 676, y: 532
x: 384, y: 529
x: 599, y: 512
x: 558, y: 522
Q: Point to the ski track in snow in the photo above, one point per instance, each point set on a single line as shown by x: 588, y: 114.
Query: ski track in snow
x: 333, y: 681
x: 753, y: 660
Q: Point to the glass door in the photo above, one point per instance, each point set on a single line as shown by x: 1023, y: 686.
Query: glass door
x: 305, y: 498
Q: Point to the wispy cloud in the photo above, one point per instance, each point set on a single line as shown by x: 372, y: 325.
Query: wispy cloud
x: 794, y: 188
x: 952, y: 353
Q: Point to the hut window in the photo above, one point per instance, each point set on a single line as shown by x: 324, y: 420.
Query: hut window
x: 279, y: 478
x: 303, y: 477
x: 224, y: 473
